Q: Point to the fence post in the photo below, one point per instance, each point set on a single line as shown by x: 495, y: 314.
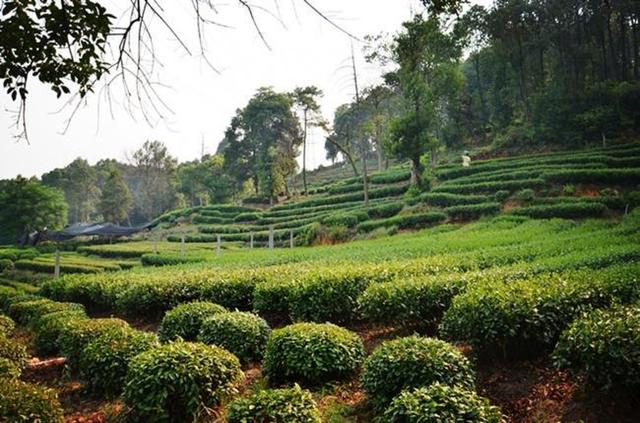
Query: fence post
x: 251, y: 241
x: 56, y: 269
x: 271, y: 237
x: 155, y: 246
x: 291, y: 238
x: 182, y: 245
x: 219, y: 245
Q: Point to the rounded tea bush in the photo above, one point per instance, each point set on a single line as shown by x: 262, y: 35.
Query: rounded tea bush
x: 412, y: 362
x: 9, y: 369
x: 184, y: 320
x: 13, y: 351
x: 47, y: 329
x: 244, y: 334
x: 77, y: 333
x: 104, y: 361
x: 178, y: 381
x: 291, y: 405
x: 27, y: 403
x: 441, y: 403
x: 312, y: 353
x: 604, y: 347
x: 7, y: 325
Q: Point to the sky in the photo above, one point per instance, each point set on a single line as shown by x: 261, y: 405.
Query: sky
x: 303, y: 50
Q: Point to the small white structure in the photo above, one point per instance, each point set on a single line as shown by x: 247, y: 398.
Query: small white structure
x: 466, y: 160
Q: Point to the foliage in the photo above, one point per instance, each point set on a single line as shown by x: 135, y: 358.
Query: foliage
x: 116, y: 199
x: 48, y: 328
x: 22, y: 402
x: 185, y: 320
x: 337, y: 353
x: 385, y: 210
x: 412, y: 362
x: 104, y: 360
x: 7, y: 325
x: 26, y: 204
x: 410, y: 221
x: 76, y: 333
x: 179, y: 382
x: 472, y: 211
x: 14, y: 351
x: 604, y: 346
x: 568, y: 210
x: 290, y: 405
x: 243, y: 334
x: 438, y: 402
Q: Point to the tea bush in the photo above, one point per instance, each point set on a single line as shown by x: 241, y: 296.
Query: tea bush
x: 77, y: 333
x: 385, y: 210
x: 441, y: 403
x: 28, y: 312
x: 312, y: 353
x: 46, y: 331
x: 185, y: 320
x: 104, y: 360
x: 412, y: 362
x: 603, y: 346
x: 179, y: 381
x: 472, y: 211
x: 444, y: 199
x: 291, y: 405
x: 404, y: 222
x: 7, y: 325
x: 22, y: 402
x: 569, y: 210
x: 13, y: 351
x: 9, y: 369
x: 243, y: 334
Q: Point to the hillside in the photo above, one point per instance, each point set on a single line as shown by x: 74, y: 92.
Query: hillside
x: 575, y: 184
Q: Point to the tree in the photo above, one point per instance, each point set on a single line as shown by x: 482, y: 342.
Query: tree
x: 205, y: 180
x: 155, y: 169
x: 306, y: 99
x: 427, y: 76
x: 78, y: 182
x: 116, y: 199
x: 262, y: 143
x: 26, y: 205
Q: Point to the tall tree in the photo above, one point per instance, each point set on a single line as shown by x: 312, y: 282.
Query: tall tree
x: 116, y: 198
x: 306, y: 99
x: 427, y: 75
x: 78, y: 182
x: 155, y: 169
x: 26, y: 205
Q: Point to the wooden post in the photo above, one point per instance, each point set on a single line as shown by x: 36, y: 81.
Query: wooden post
x: 251, y: 241
x: 182, y: 246
x: 271, y: 237
x: 219, y: 245
x: 155, y: 246
x: 291, y: 238
x: 56, y: 269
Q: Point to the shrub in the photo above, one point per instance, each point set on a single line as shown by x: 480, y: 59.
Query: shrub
x: 595, y: 176
x: 13, y: 351
x: 445, y: 199
x: 7, y: 325
x: 168, y: 260
x: 441, y: 403
x: 412, y: 362
x: 292, y: 405
x: 472, y: 211
x: 410, y: 300
x: 525, y: 195
x: 178, y: 382
x: 348, y: 219
x: 77, y: 333
x: 385, y: 210
x: 271, y: 298
x: 490, y: 186
x: 28, y: 312
x: 501, y: 195
x: 243, y: 334
x: 46, y: 331
x: 526, y: 317
x: 632, y: 198
x: 9, y: 369
x: 247, y: 217
x: 568, y: 189
x: 5, y: 264
x: 404, y: 222
x: 104, y: 361
x: 603, y: 346
x: 185, y: 320
x: 27, y: 403
x: 569, y: 210
x: 312, y: 353
x: 327, y: 297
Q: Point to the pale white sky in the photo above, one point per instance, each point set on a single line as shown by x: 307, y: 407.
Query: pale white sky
x: 307, y: 52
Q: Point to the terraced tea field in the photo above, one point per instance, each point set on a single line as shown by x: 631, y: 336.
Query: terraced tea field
x: 514, y: 297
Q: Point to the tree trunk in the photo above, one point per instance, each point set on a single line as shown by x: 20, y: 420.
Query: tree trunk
x: 365, y: 178
x: 483, y: 103
x: 623, y: 45
x: 346, y: 154
x: 416, y: 172
x: 304, y: 154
